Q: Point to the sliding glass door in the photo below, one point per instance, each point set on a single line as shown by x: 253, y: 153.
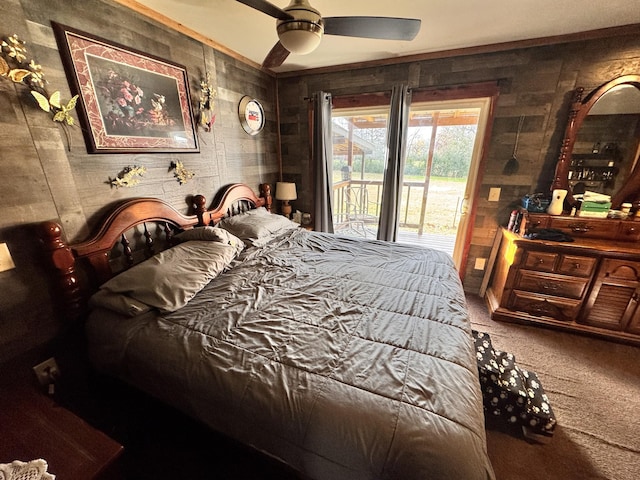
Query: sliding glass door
x: 359, y: 148
x: 440, y: 179
x: 443, y: 154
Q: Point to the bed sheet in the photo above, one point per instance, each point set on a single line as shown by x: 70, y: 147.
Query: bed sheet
x: 344, y: 358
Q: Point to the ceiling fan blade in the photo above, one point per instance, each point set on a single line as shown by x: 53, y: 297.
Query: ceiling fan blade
x: 276, y: 56
x: 268, y: 8
x: 386, y: 28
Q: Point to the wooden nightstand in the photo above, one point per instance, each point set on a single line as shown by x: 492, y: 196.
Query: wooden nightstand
x: 33, y: 426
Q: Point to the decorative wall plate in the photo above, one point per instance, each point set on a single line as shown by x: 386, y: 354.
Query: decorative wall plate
x: 251, y: 115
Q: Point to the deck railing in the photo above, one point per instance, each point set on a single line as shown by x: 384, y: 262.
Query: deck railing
x: 359, y: 200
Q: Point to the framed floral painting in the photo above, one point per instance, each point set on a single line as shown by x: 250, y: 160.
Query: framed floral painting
x: 130, y: 101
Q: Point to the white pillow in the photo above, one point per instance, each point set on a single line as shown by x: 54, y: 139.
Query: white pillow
x: 257, y: 227
x: 171, y: 278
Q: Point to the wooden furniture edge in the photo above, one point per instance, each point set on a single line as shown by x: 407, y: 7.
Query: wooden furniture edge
x: 135, y: 212
x: 508, y: 316
x: 33, y: 424
x: 495, y: 247
x: 233, y: 193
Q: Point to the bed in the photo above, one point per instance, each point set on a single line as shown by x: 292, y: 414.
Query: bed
x: 343, y: 358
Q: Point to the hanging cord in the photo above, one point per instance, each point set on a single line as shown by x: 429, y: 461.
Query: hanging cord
x: 512, y: 164
x: 515, y: 145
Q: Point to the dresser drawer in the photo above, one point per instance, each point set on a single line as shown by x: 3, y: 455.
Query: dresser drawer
x: 540, y: 261
x: 575, y: 265
x: 550, y: 284
x: 584, y: 228
x: 544, y: 306
x: 537, y: 221
x: 629, y: 231
x: 620, y: 269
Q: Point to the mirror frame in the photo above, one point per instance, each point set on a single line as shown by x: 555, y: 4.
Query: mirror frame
x: 579, y: 110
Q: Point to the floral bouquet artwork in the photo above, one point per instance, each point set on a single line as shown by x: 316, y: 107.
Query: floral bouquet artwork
x: 130, y: 101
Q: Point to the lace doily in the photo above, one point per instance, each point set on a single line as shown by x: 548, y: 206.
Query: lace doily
x: 33, y: 470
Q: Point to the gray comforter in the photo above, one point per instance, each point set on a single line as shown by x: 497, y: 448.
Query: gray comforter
x: 345, y: 359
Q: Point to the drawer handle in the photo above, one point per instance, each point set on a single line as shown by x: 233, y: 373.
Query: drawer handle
x: 542, y: 309
x: 576, y: 266
x: 579, y: 228
x: 631, y: 230
x: 540, y: 261
x: 548, y: 285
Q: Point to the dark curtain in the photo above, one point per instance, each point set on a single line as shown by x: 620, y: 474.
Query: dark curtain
x: 322, y: 153
x: 394, y: 166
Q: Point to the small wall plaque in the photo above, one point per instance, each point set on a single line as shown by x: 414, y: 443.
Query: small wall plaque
x: 251, y: 115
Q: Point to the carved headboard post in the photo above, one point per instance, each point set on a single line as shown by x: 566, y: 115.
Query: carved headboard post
x: 562, y: 167
x: 265, y: 192
x: 62, y: 261
x: 199, y: 204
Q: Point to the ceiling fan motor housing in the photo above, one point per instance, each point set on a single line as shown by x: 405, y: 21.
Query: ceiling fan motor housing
x: 301, y: 35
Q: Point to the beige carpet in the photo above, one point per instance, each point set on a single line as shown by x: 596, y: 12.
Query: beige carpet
x: 594, y: 389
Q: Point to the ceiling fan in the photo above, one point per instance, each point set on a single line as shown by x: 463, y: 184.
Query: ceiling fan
x: 300, y: 28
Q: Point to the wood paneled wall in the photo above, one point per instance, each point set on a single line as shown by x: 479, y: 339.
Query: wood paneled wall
x: 536, y: 82
x: 43, y: 179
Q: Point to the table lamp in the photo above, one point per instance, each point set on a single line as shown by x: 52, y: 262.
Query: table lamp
x: 286, y: 191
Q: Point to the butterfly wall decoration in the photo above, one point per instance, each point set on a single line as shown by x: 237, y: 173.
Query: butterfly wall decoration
x: 14, y: 66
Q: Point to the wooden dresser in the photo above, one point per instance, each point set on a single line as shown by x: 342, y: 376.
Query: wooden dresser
x: 590, y: 285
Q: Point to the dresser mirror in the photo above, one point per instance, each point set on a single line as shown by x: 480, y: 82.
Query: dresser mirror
x: 601, y: 146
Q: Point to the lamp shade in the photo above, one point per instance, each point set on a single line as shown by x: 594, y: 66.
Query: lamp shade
x: 286, y: 191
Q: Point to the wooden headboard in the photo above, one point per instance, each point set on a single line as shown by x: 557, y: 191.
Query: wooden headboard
x: 80, y: 268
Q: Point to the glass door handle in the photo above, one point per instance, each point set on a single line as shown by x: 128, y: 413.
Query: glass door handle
x: 464, y: 206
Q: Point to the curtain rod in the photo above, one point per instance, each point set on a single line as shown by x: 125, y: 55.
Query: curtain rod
x: 425, y: 88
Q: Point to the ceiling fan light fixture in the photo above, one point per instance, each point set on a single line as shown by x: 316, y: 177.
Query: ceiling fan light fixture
x: 300, y: 28
x: 299, y: 36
